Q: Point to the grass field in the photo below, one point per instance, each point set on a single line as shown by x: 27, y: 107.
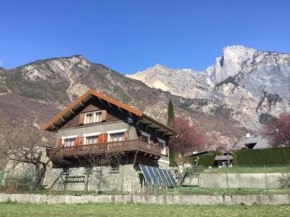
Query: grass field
x: 23, y: 210
x: 220, y: 191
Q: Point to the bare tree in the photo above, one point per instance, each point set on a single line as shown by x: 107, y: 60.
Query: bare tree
x: 26, y: 145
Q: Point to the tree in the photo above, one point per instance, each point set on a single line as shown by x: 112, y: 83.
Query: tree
x: 191, y: 138
x: 26, y: 145
x: 170, y: 112
x: 278, y: 131
x: 217, y: 142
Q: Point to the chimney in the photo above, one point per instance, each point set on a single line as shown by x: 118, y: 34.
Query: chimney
x: 131, y: 104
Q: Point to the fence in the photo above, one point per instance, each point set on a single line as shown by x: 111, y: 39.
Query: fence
x: 194, y: 180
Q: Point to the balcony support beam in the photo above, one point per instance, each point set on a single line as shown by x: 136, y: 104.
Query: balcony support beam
x: 135, y: 159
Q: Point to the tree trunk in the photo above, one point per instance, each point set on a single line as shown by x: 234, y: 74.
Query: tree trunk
x: 228, y: 159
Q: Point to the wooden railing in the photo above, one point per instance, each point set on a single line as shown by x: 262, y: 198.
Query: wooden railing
x: 102, y: 148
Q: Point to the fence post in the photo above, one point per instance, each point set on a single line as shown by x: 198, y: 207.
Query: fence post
x: 131, y: 187
x: 122, y: 180
x: 58, y: 181
x: 1, y: 177
x: 143, y: 187
x: 267, y: 187
x: 227, y: 179
x: 91, y: 177
x: 190, y: 181
x: 30, y: 181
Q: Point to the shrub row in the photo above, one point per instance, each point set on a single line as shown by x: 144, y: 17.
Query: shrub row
x: 258, y: 157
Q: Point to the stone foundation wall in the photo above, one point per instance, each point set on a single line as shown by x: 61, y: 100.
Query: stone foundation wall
x: 103, y: 178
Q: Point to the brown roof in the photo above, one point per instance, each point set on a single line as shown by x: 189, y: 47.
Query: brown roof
x: 86, y: 96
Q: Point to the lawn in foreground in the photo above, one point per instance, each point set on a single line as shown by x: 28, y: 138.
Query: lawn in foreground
x: 44, y: 210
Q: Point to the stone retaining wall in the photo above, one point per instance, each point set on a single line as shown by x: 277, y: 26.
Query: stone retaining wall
x: 150, y: 199
x: 239, y: 180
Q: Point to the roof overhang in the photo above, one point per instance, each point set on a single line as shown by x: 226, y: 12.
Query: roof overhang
x: 81, y: 101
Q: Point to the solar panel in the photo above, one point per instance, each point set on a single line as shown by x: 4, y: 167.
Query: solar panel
x: 146, y: 174
x: 163, y: 177
x: 159, y: 179
x: 154, y: 175
x: 172, y: 179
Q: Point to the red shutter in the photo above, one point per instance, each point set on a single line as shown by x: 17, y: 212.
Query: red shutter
x: 77, y: 141
x: 105, y: 137
x: 81, y: 141
x: 82, y: 118
x: 59, y: 143
x: 100, y: 138
x: 104, y: 115
x: 126, y: 135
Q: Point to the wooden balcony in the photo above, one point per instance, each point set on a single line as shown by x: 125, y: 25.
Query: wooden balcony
x: 103, y: 148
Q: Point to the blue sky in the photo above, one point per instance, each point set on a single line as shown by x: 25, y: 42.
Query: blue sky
x: 132, y: 35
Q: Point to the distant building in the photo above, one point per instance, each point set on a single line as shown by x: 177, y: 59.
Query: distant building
x: 255, y: 141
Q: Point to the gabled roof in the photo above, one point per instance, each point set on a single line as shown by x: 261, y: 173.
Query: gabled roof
x: 68, y: 111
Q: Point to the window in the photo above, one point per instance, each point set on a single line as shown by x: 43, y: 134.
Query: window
x: 145, y: 137
x: 69, y: 142
x: 93, y: 117
x: 162, y: 145
x: 92, y: 140
x: 98, y: 116
x: 89, y: 118
x: 116, y: 137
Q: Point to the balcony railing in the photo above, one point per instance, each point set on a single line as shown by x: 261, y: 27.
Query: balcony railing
x: 102, y: 148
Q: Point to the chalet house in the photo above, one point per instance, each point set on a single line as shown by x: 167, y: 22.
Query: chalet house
x: 97, y: 125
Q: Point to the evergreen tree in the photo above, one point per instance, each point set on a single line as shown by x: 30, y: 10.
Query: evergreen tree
x: 170, y: 112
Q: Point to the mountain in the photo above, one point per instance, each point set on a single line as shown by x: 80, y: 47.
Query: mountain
x: 254, y: 84
x: 30, y: 95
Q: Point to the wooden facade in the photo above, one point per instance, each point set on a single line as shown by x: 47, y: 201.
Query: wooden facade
x: 118, y: 128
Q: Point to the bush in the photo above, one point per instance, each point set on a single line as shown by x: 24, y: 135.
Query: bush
x: 207, y: 160
x: 284, y: 181
x: 258, y: 157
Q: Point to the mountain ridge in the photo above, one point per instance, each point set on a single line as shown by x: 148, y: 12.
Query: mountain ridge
x: 254, y: 83
x: 32, y: 94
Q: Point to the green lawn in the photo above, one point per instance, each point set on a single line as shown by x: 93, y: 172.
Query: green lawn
x: 221, y: 191
x: 44, y: 210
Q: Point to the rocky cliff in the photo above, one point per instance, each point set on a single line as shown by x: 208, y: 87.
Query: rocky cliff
x: 254, y: 85
x: 32, y: 94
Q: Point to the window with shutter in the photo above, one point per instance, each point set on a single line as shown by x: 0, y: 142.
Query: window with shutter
x: 95, y: 117
x: 59, y: 143
x: 69, y: 142
x: 82, y: 117
x: 104, y: 115
x: 126, y: 135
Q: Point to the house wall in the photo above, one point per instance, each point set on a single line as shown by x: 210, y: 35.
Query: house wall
x: 98, y: 127
x: 116, y: 120
x: 113, y: 113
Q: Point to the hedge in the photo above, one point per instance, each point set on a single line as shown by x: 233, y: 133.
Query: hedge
x: 206, y: 160
x: 258, y: 157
